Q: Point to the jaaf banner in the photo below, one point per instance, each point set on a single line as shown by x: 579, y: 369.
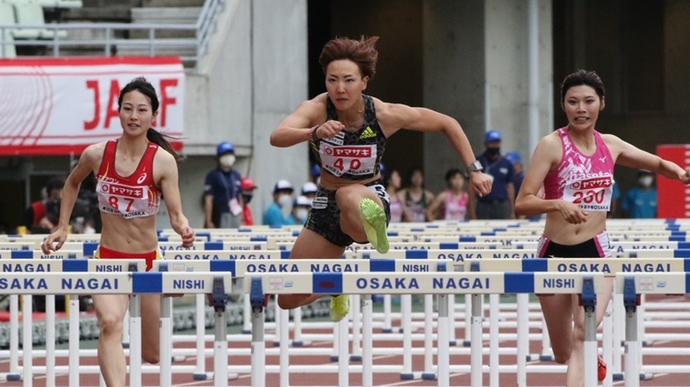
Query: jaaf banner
x: 59, y: 106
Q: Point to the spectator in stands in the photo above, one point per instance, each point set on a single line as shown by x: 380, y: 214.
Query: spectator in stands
x: 300, y: 209
x: 223, y: 191
x: 129, y: 221
x: 576, y: 214
x: 518, y: 170
x: 415, y: 198
x: 499, y: 204
x: 352, y: 204
x: 393, y: 182
x: 315, y: 174
x: 279, y: 213
x: 640, y: 201
x: 49, y: 203
x: 248, y: 188
x: 309, y: 190
x: 451, y: 204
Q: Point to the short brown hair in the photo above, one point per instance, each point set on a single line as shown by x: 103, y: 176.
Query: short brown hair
x: 361, y: 51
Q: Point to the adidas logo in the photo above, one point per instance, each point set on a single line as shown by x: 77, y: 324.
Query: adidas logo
x: 367, y: 133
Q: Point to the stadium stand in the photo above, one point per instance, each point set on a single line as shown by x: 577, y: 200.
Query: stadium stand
x: 105, y: 28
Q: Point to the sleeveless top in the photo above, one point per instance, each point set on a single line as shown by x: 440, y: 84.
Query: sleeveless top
x: 396, y: 210
x: 133, y: 196
x: 351, y: 155
x: 583, y: 180
x: 416, y: 209
x: 455, y: 208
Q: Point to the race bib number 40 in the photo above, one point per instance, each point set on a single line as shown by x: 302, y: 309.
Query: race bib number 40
x: 353, y: 159
x: 591, y: 194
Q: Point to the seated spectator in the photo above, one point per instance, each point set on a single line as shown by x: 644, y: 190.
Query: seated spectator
x: 279, y: 213
x: 641, y: 201
x: 300, y: 209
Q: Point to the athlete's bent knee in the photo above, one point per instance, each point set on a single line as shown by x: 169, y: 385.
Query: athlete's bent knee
x: 290, y: 301
x: 151, y: 355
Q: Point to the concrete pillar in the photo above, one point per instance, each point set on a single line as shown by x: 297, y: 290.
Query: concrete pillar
x: 279, y: 84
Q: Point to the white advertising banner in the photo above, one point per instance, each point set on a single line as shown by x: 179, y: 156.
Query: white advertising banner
x: 59, y: 106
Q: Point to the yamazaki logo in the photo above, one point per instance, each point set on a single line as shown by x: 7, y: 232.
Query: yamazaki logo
x: 102, y: 116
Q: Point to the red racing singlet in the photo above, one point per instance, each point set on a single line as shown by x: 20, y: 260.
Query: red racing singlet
x: 133, y: 196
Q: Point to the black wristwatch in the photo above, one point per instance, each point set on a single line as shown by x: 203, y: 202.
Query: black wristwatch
x: 476, y: 166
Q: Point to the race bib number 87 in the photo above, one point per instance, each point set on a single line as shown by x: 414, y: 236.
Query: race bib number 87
x: 352, y: 160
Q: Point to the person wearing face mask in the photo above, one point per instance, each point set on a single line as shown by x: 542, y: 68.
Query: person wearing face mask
x: 500, y: 202
x: 279, y: 213
x: 248, y: 188
x: 309, y: 190
x: 222, y: 191
x: 300, y: 209
x: 641, y: 201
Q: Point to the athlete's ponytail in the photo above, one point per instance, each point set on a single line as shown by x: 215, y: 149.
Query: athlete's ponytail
x: 162, y: 140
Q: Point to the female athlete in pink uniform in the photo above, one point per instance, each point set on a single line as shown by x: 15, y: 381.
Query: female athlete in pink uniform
x: 575, y: 165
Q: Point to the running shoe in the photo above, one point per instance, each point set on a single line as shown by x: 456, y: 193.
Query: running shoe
x: 601, y: 370
x: 340, y: 305
x: 374, y: 221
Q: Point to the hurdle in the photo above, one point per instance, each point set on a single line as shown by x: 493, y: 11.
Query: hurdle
x: 630, y: 286
x: 36, y: 282
x: 611, y: 267
x: 473, y: 284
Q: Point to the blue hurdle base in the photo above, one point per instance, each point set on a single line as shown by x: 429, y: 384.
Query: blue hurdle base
x: 466, y: 343
x: 13, y: 377
x: 355, y: 358
x: 428, y: 376
x: 334, y: 358
x: 621, y: 376
x: 546, y: 358
x: 407, y: 376
x: 200, y: 376
x: 387, y: 330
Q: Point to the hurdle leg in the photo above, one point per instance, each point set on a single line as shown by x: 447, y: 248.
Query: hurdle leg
x: 276, y: 320
x: 73, y: 343
x: 387, y: 324
x: 443, y: 353
x: 406, y: 317
x: 356, y: 354
x: 451, y: 320
x: 522, y: 337
x: 247, y: 315
x: 297, y: 340
x: 166, y: 342
x: 258, y: 356
x: 14, y: 375
x: 632, y: 347
x: 367, y: 342
x: 468, y: 321
x: 589, y: 303
x: 135, y: 340
x: 282, y: 319
x: 476, y: 348
x: 494, y: 361
x: 343, y: 358
x: 50, y: 340
x: 619, y: 317
x: 428, y: 373
x: 27, y: 342
x: 200, y: 371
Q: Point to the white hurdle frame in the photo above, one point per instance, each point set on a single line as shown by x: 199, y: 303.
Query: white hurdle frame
x: 352, y: 283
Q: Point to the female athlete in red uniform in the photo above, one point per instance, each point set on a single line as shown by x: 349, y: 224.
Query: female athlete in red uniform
x: 133, y: 173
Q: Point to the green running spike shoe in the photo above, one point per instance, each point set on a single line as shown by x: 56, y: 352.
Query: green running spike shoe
x: 340, y: 305
x: 374, y: 224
